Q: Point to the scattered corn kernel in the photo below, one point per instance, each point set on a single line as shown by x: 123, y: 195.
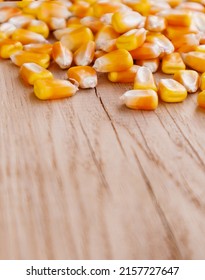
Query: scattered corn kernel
x: 162, y: 41
x: 39, y: 48
x: 147, y: 51
x: 132, y: 39
x: 21, y: 21
x: 27, y: 37
x: 152, y: 64
x: 39, y: 27
x: 22, y: 57
x: 127, y: 76
x: 9, y: 47
x: 171, y: 91
x: 85, y: 54
x: 85, y: 76
x: 144, y: 79
x: 189, y: 79
x: 7, y: 12
x: 195, y: 60
x: 155, y: 23
x: 172, y: 62
x: 61, y: 55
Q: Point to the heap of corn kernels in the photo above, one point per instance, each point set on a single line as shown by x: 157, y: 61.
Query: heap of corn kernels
x: 127, y: 39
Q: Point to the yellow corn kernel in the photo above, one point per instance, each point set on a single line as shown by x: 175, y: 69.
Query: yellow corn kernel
x: 171, y: 91
x: 52, y: 9
x: 177, y: 17
x: 7, y: 12
x: 7, y: 28
x: 201, y: 99
x: 80, y: 9
x: 56, y: 23
x: 186, y: 43
x: 76, y: 38
x: 155, y: 23
x: 174, y: 3
x: 32, y: 8
x: 46, y: 89
x: 141, y: 6
x: 115, y: 61
x: 93, y: 23
x: 21, y: 21
x: 200, y: 48
x: 3, y: 35
x: 127, y: 76
x: 144, y: 79
x: 175, y: 33
x: 104, y: 36
x: 22, y: 57
x: 132, y: 39
x: 147, y: 51
x: 30, y: 72
x: 39, y: 48
x: 152, y: 64
x: 27, y: 37
x: 172, y: 62
x: 103, y: 7
x: 85, y: 54
x: 61, y: 55
x: 162, y: 41
x: 38, y: 26
x: 189, y: 79
x: 73, y: 22
x: 140, y: 99
x: 202, y: 82
x: 195, y: 60
x: 85, y: 76
x: 9, y: 47
x: 126, y: 20
x: 24, y: 3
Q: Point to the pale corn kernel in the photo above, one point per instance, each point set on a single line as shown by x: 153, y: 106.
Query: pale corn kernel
x: 85, y: 54
x: 140, y: 99
x: 155, y: 23
x: 115, y: 61
x: 195, y: 60
x: 27, y: 37
x: 202, y: 82
x: 199, y: 21
x: 125, y: 21
x: 21, y: 21
x: 162, y: 41
x: 56, y: 23
x: 106, y: 19
x: 7, y: 12
x: 52, y: 9
x: 144, y: 79
x: 85, y: 76
x: 158, y: 6
x: 105, y: 35
x: 39, y: 48
x: 189, y: 79
x: 92, y: 22
x: 22, y: 57
x: 30, y: 72
x: 9, y: 47
x: 46, y: 89
x: 7, y: 28
x: 172, y: 62
x: 152, y: 64
x: 186, y: 43
x: 201, y: 99
x: 171, y: 91
x: 177, y: 17
x: 61, y: 55
x: 127, y: 76
x: 147, y: 51
x: 191, y: 6
x: 74, y: 39
x: 132, y: 39
x: 38, y: 26
x: 58, y: 34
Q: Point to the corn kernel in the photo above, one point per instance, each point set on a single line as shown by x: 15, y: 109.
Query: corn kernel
x: 56, y: 23
x: 93, y: 23
x: 127, y: 76
x: 155, y: 23
x: 7, y: 28
x: 115, y: 61
x: 61, y: 55
x: 39, y: 27
x: 201, y: 99
x: 80, y: 9
x: 144, y: 79
x: 21, y: 21
x: 76, y: 38
x: 27, y: 37
x: 172, y: 63
x: 177, y: 17
x: 140, y: 99
x: 162, y: 41
x: 189, y: 79
x: 22, y: 57
x: 46, y: 89
x: 125, y: 21
x: 132, y: 39
x: 186, y: 43
x: 200, y: 48
x: 141, y: 6
x: 158, y: 6
x: 85, y: 54
x: 30, y: 72
x: 7, y: 12
x: 152, y: 64
x: 58, y: 34
x: 195, y: 60
x: 103, y: 7
x: 39, y: 48
x: 147, y: 51
x: 3, y: 36
x: 191, y: 6
x: 174, y: 33
x: 104, y: 36
x: 171, y: 91
x: 9, y: 47
x: 202, y: 82
x: 32, y: 8
x: 85, y: 76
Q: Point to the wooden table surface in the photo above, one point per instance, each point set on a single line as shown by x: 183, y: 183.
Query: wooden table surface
x: 86, y: 178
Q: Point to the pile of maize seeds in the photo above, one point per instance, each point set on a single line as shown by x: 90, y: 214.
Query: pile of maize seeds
x: 129, y: 40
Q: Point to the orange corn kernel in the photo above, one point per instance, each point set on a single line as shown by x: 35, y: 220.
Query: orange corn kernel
x: 73, y: 21
x: 39, y: 27
x: 27, y: 37
x: 201, y: 99
x: 144, y: 79
x: 172, y: 62
x: 171, y: 91
x: 105, y: 35
x: 22, y: 57
x: 152, y: 64
x: 132, y: 39
x: 85, y: 76
x: 30, y: 72
x: 7, y: 12
x: 115, y: 61
x: 52, y: 9
x: 39, y: 48
x: 195, y: 60
x: 85, y: 54
x: 186, y: 43
x: 7, y: 28
x: 189, y: 79
x: 127, y: 76
x: 9, y: 47
x: 61, y: 55
x: 46, y: 89
x: 93, y: 23
x: 80, y: 9
x: 21, y: 21
x: 125, y: 21
x: 177, y: 17
x: 74, y: 39
x: 3, y: 35
x: 147, y: 51
x: 56, y: 23
x: 202, y: 82
x: 155, y: 23
x: 140, y: 99
x: 175, y: 33
x: 141, y: 6
x: 162, y: 41
x: 103, y: 7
